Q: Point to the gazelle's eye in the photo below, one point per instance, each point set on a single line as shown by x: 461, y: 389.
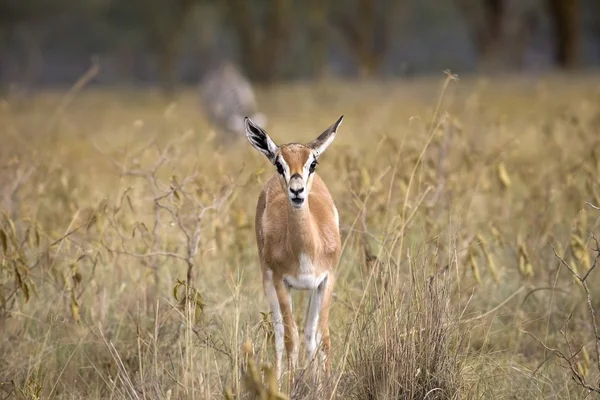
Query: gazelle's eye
x: 313, y: 166
x: 279, y: 168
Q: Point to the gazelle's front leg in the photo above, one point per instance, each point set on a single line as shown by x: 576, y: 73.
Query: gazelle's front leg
x: 278, y: 327
x: 286, y: 331
x: 315, y: 302
x: 293, y: 339
x: 325, y: 341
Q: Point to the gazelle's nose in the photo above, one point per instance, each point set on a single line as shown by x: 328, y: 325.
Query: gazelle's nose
x: 296, y: 192
x: 296, y: 185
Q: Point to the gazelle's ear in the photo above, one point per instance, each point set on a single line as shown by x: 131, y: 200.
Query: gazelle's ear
x: 320, y: 144
x: 259, y: 139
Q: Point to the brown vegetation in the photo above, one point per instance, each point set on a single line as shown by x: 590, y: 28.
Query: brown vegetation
x: 129, y: 270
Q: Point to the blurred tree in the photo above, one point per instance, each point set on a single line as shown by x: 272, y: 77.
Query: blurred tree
x: 262, y: 41
x: 165, y: 21
x: 484, y: 23
x: 162, y: 23
x: 14, y: 12
x: 500, y: 30
x: 564, y: 15
x: 367, y: 32
x: 318, y: 29
x: 19, y: 21
x: 13, y: 16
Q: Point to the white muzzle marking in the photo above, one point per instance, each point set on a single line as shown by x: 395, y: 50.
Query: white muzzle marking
x: 296, y: 191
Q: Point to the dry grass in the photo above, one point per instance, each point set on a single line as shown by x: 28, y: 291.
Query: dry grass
x: 129, y: 266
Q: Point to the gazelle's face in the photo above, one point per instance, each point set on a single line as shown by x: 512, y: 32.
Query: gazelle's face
x: 295, y: 163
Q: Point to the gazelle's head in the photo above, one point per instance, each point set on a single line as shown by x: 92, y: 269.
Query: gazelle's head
x: 295, y: 162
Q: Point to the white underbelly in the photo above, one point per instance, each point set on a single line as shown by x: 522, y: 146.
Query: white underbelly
x: 305, y: 281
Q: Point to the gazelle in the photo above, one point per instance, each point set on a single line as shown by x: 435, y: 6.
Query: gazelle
x: 298, y: 239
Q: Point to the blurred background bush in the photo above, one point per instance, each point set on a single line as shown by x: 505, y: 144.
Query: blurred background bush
x: 174, y: 42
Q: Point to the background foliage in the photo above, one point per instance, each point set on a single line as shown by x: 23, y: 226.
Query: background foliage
x: 177, y: 41
x: 469, y: 205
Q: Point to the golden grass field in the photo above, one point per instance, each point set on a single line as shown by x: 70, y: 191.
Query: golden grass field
x: 451, y: 195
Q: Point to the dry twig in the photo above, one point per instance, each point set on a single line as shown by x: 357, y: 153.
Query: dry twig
x: 569, y: 359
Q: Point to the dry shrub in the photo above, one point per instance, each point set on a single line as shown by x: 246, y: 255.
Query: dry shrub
x: 408, y: 345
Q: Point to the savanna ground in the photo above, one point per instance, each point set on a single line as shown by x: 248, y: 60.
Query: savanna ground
x: 129, y: 265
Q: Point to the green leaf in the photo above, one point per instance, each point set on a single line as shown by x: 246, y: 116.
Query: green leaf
x: 12, y: 227
x: 28, y: 237
x: 129, y: 202
x: 22, y: 285
x: 177, y: 285
x: 74, y: 308
x: 4, y: 241
x: 25, y: 289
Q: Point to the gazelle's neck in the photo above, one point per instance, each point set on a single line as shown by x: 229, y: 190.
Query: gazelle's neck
x: 300, y: 230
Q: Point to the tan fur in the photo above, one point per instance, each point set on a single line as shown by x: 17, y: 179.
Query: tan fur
x: 283, y: 233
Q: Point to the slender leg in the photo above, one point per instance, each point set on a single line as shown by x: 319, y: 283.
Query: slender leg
x: 289, y: 324
x: 278, y: 327
x: 324, y: 323
x: 293, y: 361
x: 312, y: 319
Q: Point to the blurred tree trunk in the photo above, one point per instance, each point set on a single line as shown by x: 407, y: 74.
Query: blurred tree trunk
x: 277, y: 35
x: 165, y: 24
x: 33, y: 64
x: 488, y: 38
x: 500, y: 30
x: 565, y: 18
x: 125, y: 60
x: 484, y: 20
x: 248, y: 35
x: 318, y: 37
x: 367, y: 35
x: 3, y: 57
x: 167, y: 51
x: 369, y: 59
x: 262, y: 44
